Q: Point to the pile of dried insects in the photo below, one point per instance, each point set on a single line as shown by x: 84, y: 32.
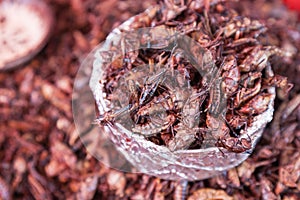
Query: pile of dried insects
x: 191, y: 95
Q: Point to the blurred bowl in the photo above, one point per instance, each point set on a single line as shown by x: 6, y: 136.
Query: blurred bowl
x: 25, y: 29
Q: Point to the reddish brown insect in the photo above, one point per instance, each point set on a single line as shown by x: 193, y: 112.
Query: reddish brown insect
x: 256, y: 105
x: 187, y: 129
x: 108, y: 118
x: 280, y: 82
x: 258, y: 58
x: 150, y: 87
x: 251, y: 84
x: 241, y: 26
x: 155, y: 126
x: 236, y: 145
x: 237, y: 121
x: 231, y: 76
x: 159, y: 103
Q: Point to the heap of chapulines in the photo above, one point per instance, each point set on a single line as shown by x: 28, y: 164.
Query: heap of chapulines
x: 43, y: 157
x: 194, y: 94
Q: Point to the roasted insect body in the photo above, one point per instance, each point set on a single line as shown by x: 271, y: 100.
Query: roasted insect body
x: 187, y: 129
x: 230, y: 76
x: 280, y: 82
x: 155, y: 126
x: 259, y: 56
x: 110, y: 117
x: 150, y: 86
x: 251, y: 86
x: 237, y: 145
x: 243, y: 25
x: 256, y: 105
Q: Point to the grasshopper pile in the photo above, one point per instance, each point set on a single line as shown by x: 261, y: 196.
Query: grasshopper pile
x: 192, y: 95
